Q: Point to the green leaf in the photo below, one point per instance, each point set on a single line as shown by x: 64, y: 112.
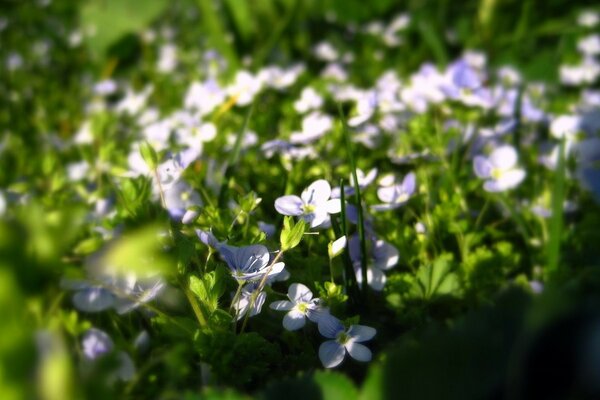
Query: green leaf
x: 139, y: 252
x: 335, y: 386
x: 149, y: 154
x: 197, y: 287
x: 88, y: 246
x: 291, y: 235
x: 113, y: 19
x: 437, y: 279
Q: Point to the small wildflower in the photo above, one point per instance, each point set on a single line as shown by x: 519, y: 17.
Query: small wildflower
x: 333, y: 352
x: 300, y: 306
x: 499, y: 169
x: 313, y: 205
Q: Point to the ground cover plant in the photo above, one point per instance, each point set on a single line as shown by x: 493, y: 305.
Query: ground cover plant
x: 299, y: 199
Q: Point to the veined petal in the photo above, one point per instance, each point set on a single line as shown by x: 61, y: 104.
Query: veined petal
x: 281, y: 305
x: 293, y: 320
x: 361, y: 333
x: 260, y: 300
x: 504, y: 157
x: 330, y: 326
x: 252, y: 258
x: 359, y: 352
x: 318, y: 192
x: 297, y: 292
x: 289, y: 205
x: 331, y: 353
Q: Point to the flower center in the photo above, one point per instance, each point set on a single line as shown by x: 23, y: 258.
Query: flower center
x: 302, y: 307
x: 496, y: 173
x: 308, y: 208
x: 342, y: 338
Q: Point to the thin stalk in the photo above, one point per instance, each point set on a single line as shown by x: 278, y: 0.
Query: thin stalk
x: 233, y: 157
x: 556, y: 221
x: 358, y: 199
x: 349, y: 275
x: 194, y: 303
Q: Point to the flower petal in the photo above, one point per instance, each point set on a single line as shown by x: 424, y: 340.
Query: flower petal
x: 361, y: 333
x: 359, y: 352
x: 93, y: 299
x: 376, y: 279
x: 504, y: 157
x: 330, y: 326
x: 386, y: 256
x: 409, y: 184
x: 293, y: 320
x: 297, y: 292
x: 331, y: 354
x: 333, y: 206
x: 482, y: 167
x: 289, y: 205
x: 281, y: 305
x: 318, y: 192
x: 511, y: 179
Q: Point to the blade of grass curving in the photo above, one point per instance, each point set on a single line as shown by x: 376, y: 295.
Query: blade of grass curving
x: 358, y: 199
x: 233, y: 158
x: 349, y: 276
x: 556, y: 220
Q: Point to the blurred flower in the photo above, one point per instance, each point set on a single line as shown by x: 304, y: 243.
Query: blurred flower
x: 499, y: 169
x: 309, y: 100
x: 383, y: 256
x: 397, y: 195
x: 96, y: 343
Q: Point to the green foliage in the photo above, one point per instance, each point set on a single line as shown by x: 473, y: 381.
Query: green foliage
x: 252, y: 357
x: 210, y: 288
x: 292, y: 233
x: 113, y: 19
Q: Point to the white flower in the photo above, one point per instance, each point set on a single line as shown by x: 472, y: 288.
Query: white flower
x: 244, y: 88
x: 309, y: 100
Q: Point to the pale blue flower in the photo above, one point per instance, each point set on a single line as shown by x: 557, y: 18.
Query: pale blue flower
x: 383, y: 256
x: 96, y: 343
x: 313, y: 206
x: 396, y: 195
x: 332, y: 352
x: 249, y: 263
x: 499, y: 169
x: 242, y: 306
x: 300, y: 306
